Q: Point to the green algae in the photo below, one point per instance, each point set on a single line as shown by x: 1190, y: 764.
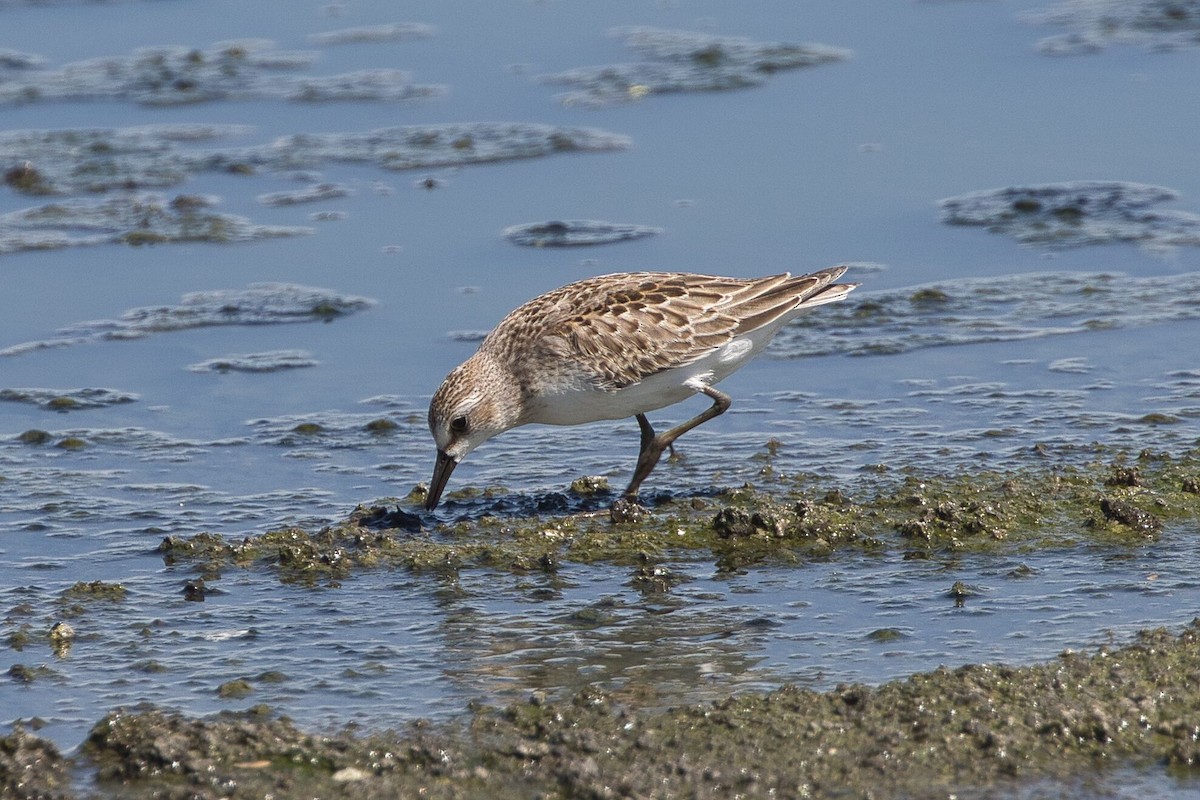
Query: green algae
x: 935, y: 734
x: 19, y: 638
x: 26, y: 178
x: 235, y: 689
x: 1119, y: 501
x: 34, y: 436
x: 958, y: 730
x: 62, y: 404
x: 21, y: 673
x: 32, y: 767
x: 94, y: 590
x: 64, y: 400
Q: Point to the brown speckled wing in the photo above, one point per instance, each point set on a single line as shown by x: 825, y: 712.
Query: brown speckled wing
x: 615, y: 330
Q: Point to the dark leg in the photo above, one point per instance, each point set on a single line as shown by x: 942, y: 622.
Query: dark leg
x: 647, y: 432
x: 653, y: 446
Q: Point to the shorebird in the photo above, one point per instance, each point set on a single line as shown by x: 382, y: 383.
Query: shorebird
x: 611, y: 347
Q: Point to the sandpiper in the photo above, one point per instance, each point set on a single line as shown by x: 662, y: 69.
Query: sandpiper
x: 611, y: 347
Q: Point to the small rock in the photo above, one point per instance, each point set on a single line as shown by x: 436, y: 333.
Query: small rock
x: 1130, y: 515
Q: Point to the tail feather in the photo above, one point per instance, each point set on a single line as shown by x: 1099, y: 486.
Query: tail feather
x: 775, y: 299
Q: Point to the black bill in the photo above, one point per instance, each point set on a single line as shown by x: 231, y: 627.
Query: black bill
x: 441, y: 473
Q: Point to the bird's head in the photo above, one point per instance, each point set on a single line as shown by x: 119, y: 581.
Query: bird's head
x: 473, y: 404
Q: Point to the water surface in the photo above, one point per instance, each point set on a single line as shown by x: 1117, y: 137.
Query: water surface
x: 839, y: 163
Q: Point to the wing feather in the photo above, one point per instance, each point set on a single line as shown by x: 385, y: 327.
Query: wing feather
x: 615, y: 330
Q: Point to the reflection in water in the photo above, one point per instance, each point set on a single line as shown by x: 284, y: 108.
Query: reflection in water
x: 561, y: 636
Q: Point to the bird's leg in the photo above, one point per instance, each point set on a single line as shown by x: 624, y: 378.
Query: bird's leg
x: 653, y: 446
x: 647, y: 432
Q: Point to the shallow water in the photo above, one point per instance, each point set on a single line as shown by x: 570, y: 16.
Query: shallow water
x: 840, y: 163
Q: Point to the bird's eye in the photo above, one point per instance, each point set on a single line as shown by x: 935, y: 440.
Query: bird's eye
x: 458, y: 425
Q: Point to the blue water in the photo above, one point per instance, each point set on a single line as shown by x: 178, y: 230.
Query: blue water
x: 838, y: 163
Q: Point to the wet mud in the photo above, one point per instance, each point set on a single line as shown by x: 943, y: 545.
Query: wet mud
x: 575, y: 233
x: 1078, y: 213
x: 1094, y: 25
x: 134, y: 219
x: 240, y: 69
x: 1116, y: 499
x: 685, y: 61
x: 974, y: 731
x: 270, y: 361
x: 258, y: 304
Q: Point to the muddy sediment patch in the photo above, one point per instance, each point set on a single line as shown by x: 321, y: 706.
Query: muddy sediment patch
x: 686, y: 61
x: 258, y: 304
x: 49, y: 162
x: 241, y: 69
x: 270, y: 361
x: 63, y: 400
x: 1078, y: 213
x: 1005, y: 308
x: 132, y: 219
x: 1118, y: 501
x: 962, y: 730
x: 1094, y: 25
x: 575, y: 233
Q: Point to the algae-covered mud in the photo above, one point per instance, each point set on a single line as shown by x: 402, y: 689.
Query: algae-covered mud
x: 1076, y: 214
x: 101, y: 160
x: 985, y: 729
x: 1094, y: 25
x: 56, y: 162
x: 244, y: 69
x: 1117, y: 502
x: 258, y: 304
x: 1006, y: 308
x: 257, y: 362
x: 134, y: 219
x: 946, y: 733
x: 575, y: 233
x: 686, y: 61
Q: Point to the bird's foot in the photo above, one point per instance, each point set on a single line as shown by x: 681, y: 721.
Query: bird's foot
x: 626, y: 509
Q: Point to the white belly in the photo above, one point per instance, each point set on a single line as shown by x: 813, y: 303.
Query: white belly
x: 576, y: 406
